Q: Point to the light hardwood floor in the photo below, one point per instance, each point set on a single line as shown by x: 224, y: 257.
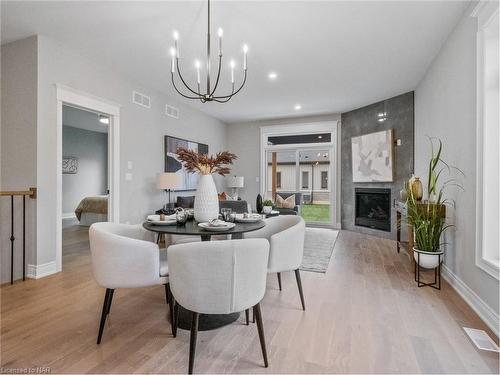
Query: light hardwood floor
x: 365, y: 315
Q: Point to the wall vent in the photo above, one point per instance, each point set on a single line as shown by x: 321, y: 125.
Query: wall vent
x: 171, y: 111
x: 141, y: 99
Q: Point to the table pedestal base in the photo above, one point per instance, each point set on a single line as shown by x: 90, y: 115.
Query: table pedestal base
x: 207, y: 322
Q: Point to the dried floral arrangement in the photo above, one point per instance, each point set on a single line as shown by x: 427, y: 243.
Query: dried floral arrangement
x: 195, y: 162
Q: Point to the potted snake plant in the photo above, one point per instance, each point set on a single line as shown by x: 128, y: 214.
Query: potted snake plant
x: 427, y: 217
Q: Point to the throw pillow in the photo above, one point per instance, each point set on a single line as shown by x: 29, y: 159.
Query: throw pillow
x: 285, y: 203
x: 222, y: 196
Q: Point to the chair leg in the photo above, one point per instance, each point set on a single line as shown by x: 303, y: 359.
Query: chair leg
x: 109, y: 301
x: 167, y: 293
x: 175, y: 315
x: 279, y: 280
x: 103, y: 314
x: 299, y: 284
x: 247, y: 316
x: 192, y: 343
x: 260, y: 326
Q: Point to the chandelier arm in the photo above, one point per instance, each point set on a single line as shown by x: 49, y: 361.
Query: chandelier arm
x: 182, y: 79
x: 180, y: 93
x: 234, y: 92
x: 218, y: 76
x: 222, y: 101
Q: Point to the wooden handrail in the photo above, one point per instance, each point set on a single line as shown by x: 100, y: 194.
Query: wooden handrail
x: 30, y: 193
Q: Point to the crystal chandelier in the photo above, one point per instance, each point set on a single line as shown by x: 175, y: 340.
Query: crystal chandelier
x: 209, y: 94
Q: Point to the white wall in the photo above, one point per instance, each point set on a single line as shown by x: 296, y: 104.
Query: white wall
x: 445, y: 107
x: 18, y: 148
x: 91, y: 150
x: 244, y: 140
x: 141, y: 134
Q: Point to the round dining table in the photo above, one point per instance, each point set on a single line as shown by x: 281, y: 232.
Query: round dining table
x: 191, y: 228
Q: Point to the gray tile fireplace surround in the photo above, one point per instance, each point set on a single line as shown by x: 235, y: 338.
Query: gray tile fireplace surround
x: 400, y: 117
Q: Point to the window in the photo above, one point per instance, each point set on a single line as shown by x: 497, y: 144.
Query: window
x: 278, y: 180
x: 324, y: 180
x: 305, y: 180
x: 488, y: 139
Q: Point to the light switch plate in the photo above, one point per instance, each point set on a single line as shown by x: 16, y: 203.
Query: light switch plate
x: 129, y: 165
x: 128, y: 176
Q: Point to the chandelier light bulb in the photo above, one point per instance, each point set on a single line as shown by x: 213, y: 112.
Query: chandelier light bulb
x: 172, y: 53
x: 197, y: 64
x: 232, y: 64
x: 220, y: 32
x: 245, y: 50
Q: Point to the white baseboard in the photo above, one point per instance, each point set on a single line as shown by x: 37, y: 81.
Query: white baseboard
x: 41, y: 270
x: 484, y: 311
x: 68, y: 215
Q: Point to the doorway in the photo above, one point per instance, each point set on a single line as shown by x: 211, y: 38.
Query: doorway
x: 106, y: 114
x: 300, y: 161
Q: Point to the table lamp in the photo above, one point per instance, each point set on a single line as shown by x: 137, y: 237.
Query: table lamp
x: 168, y: 181
x: 235, y: 182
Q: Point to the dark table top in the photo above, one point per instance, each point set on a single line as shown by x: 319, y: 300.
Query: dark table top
x: 191, y: 228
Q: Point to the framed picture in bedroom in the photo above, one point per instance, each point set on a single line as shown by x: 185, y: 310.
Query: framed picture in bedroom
x: 373, y: 157
x: 172, y: 164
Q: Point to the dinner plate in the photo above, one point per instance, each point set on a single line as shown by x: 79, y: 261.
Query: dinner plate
x: 220, y: 228
x: 166, y: 222
x: 253, y: 218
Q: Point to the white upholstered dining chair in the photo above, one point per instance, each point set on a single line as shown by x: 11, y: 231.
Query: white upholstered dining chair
x: 285, y: 234
x: 125, y: 256
x: 219, y: 277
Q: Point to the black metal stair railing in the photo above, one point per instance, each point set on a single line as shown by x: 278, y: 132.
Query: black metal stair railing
x: 31, y: 193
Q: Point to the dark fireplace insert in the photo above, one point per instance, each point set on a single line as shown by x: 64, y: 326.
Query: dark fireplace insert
x: 373, y: 208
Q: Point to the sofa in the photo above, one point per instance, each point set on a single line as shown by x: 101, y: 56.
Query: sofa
x: 239, y: 206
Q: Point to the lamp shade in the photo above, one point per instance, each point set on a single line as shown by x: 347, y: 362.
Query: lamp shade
x: 169, y: 181
x: 235, y: 181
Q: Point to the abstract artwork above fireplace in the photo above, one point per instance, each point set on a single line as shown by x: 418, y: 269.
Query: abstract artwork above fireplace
x: 372, y: 157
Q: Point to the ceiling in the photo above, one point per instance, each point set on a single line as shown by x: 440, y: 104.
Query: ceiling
x: 329, y: 57
x: 79, y: 118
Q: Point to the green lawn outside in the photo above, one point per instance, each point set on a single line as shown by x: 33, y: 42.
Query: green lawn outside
x: 315, y: 212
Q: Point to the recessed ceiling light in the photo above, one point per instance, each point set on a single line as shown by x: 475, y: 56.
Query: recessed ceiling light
x: 272, y: 76
x: 320, y: 136
x: 104, y: 120
x: 297, y: 107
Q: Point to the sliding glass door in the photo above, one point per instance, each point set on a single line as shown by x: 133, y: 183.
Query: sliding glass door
x: 306, y: 174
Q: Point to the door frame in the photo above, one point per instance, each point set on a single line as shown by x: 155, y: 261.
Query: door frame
x: 75, y: 98
x: 309, y: 128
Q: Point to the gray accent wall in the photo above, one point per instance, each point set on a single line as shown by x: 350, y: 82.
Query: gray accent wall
x: 445, y: 107
x: 18, y: 149
x: 91, y: 150
x: 400, y: 117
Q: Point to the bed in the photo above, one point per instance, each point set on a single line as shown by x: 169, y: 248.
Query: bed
x: 92, y: 210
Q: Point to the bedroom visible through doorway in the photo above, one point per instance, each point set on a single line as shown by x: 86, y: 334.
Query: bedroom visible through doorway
x: 85, y: 178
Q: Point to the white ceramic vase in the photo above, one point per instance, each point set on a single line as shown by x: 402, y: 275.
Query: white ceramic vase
x: 206, y: 201
x: 267, y: 209
x: 427, y: 259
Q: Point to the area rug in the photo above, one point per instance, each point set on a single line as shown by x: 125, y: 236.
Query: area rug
x: 318, y: 249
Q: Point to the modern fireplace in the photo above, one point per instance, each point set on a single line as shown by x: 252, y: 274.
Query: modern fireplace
x: 373, y: 208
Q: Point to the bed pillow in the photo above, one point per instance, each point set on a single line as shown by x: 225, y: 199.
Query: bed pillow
x: 285, y: 203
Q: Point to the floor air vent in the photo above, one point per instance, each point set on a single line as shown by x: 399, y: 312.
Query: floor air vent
x: 141, y: 99
x: 171, y: 111
x: 481, y: 339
